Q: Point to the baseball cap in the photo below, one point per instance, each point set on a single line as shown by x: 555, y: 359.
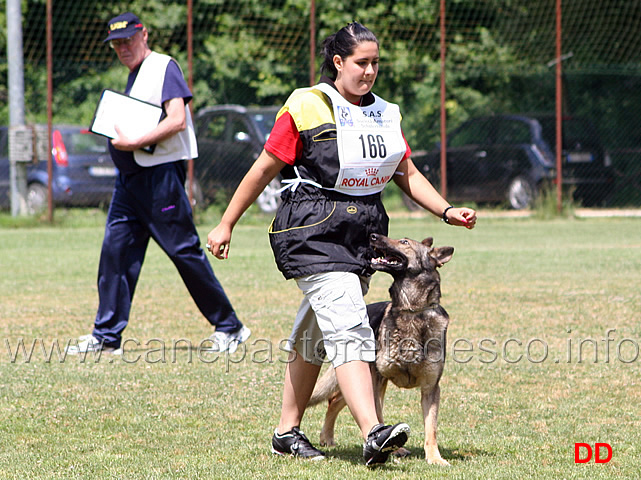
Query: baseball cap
x: 123, y: 26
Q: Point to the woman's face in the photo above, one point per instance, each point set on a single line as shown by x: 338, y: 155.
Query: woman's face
x: 357, y: 73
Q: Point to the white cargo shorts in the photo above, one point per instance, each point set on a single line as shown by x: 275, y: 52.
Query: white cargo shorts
x: 332, y: 324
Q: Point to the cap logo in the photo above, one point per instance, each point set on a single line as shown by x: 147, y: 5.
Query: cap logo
x: 118, y: 25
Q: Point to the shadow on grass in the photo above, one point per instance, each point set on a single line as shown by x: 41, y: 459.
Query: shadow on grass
x: 461, y: 454
x: 354, y: 454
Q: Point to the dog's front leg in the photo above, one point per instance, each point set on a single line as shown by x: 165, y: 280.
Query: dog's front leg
x: 430, y: 399
x: 335, y: 404
x: 379, y: 384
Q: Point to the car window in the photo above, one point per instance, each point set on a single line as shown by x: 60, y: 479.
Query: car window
x: 548, y: 131
x: 265, y: 122
x: 513, y: 132
x: 472, y: 133
x: 215, y: 129
x: 577, y: 133
x: 84, y: 143
x: 239, y: 129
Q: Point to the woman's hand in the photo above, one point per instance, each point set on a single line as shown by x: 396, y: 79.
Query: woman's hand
x: 419, y: 189
x: 463, y: 217
x: 263, y: 171
x: 218, y: 241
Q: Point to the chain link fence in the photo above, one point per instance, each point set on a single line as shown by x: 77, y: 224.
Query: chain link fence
x: 499, y: 76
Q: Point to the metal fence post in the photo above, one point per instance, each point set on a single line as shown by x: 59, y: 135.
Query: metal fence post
x: 18, y: 170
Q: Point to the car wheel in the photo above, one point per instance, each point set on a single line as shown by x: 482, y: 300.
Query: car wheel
x: 269, y: 200
x: 520, y: 193
x: 36, y: 198
x: 197, y: 199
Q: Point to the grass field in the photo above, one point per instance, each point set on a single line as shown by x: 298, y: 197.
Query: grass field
x: 543, y: 352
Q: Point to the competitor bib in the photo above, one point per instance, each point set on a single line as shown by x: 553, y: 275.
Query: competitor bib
x: 370, y: 143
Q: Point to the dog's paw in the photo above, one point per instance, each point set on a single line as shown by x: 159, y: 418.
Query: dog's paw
x: 327, y: 442
x: 402, y: 453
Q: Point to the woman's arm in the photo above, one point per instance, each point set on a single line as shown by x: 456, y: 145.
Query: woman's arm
x: 263, y: 171
x: 419, y: 189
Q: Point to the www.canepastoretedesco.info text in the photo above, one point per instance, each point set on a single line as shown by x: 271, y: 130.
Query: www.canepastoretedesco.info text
x: 573, y: 349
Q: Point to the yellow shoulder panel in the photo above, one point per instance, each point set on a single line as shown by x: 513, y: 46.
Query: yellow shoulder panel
x: 309, y: 108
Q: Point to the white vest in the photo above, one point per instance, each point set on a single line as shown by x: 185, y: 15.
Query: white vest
x: 370, y: 143
x: 182, y: 145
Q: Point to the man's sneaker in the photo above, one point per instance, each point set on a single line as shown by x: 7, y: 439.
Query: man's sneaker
x: 383, y: 440
x: 295, y: 443
x: 224, y: 341
x: 88, y: 344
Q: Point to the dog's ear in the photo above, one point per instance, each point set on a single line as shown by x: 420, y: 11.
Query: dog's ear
x: 442, y: 255
x: 428, y: 241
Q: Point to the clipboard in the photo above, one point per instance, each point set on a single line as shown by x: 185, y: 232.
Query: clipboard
x: 134, y: 117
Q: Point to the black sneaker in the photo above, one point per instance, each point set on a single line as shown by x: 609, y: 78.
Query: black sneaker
x: 295, y: 443
x: 383, y: 440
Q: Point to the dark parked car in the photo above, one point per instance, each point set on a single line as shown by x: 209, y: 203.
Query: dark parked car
x: 83, y: 173
x: 230, y: 138
x: 509, y: 158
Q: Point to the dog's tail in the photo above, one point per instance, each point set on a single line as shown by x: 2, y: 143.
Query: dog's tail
x: 325, y: 388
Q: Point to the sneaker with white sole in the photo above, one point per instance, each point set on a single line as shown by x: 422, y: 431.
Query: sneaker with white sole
x: 88, y: 344
x: 296, y: 444
x: 229, y: 341
x: 383, y: 440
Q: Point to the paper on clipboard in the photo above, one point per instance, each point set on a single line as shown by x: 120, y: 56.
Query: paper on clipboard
x: 134, y: 117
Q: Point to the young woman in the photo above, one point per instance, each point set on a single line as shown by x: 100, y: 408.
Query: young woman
x: 336, y: 145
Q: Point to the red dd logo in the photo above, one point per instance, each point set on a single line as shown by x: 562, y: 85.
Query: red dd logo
x: 586, y: 450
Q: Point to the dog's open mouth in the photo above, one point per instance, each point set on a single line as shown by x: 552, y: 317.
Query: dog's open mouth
x: 384, y: 258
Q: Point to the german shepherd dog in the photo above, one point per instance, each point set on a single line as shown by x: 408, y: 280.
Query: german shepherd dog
x: 410, y: 335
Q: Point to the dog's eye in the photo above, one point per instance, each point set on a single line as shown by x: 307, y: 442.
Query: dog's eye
x: 404, y: 242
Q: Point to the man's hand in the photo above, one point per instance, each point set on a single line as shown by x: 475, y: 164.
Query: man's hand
x: 124, y: 143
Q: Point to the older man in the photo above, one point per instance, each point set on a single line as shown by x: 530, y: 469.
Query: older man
x: 149, y: 201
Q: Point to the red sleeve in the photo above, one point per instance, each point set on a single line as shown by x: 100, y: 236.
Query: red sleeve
x: 408, y: 151
x: 284, y: 140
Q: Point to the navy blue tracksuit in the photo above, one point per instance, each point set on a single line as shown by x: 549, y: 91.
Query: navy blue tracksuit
x: 152, y: 203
